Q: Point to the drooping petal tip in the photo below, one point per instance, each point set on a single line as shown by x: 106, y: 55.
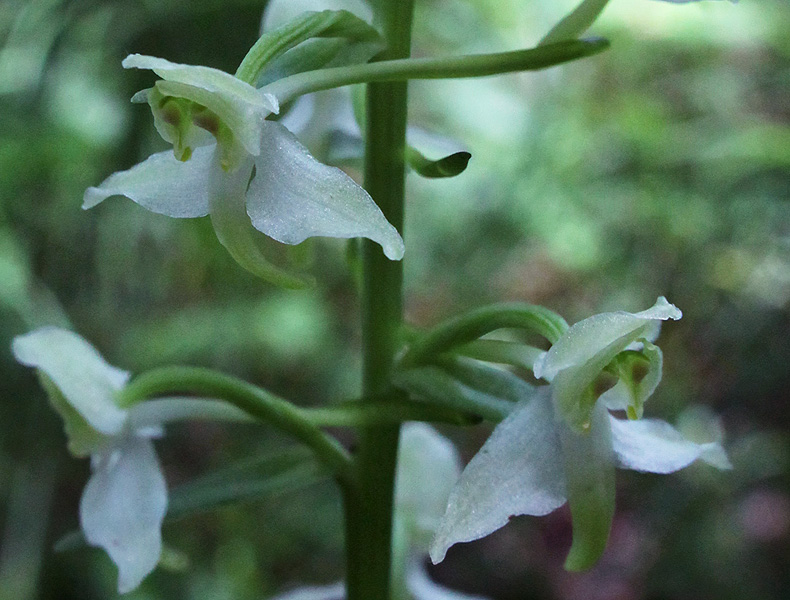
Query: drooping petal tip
x: 294, y: 197
x: 123, y: 506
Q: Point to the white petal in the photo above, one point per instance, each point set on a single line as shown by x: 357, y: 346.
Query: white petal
x: 655, y: 446
x: 428, y: 468
x: 422, y: 587
x: 78, y: 370
x: 239, y: 105
x: 122, y: 509
x: 605, y: 334
x: 335, y: 591
x: 518, y: 471
x: 293, y: 197
x: 161, y: 184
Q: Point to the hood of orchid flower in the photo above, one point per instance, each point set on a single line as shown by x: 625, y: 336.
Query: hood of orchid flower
x: 192, y: 100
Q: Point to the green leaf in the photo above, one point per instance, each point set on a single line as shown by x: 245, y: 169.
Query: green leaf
x: 448, y: 166
x: 325, y: 24
x: 318, y: 53
x: 434, y: 385
x: 490, y: 380
x: 251, y: 479
x: 576, y: 22
x: 503, y: 352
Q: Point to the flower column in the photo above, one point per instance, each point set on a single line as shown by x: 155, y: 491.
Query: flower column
x: 369, y: 509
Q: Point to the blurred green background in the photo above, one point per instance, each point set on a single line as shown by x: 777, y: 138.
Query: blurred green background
x: 661, y: 167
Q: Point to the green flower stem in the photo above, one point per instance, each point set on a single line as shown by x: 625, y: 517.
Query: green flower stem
x: 475, y: 65
x: 386, y: 412
x: 368, y: 508
x: 174, y: 409
x: 254, y: 401
x: 470, y: 326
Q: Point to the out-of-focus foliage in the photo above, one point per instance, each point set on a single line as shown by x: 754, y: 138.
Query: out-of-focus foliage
x: 661, y: 167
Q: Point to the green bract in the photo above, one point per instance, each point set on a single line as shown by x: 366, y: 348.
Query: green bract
x: 561, y: 444
x: 252, y: 172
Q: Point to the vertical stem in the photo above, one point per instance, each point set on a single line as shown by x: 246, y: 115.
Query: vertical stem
x: 369, y: 506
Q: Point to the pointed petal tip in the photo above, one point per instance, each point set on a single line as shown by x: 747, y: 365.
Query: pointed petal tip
x: 715, y: 455
x: 539, y: 365
x: 437, y: 552
x: 271, y: 102
x: 136, y: 61
x: 395, y: 249
x: 92, y: 197
x: 666, y: 310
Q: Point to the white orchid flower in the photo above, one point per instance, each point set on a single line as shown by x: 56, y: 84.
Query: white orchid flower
x: 254, y: 171
x: 124, y: 502
x: 563, y: 444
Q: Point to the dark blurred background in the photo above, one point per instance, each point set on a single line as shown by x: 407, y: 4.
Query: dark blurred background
x: 661, y: 167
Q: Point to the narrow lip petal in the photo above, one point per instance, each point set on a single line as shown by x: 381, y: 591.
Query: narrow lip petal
x: 592, y: 335
x: 428, y: 468
x: 86, y: 380
x: 589, y: 464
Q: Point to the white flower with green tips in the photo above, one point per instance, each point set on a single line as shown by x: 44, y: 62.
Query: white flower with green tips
x: 124, y: 502
x: 563, y: 444
x: 230, y: 162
